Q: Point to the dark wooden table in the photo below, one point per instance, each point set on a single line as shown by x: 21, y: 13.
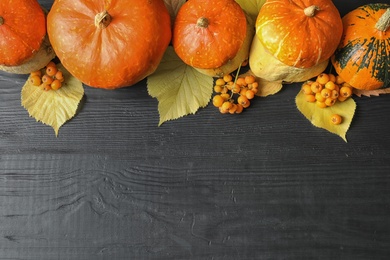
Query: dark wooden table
x: 265, y: 184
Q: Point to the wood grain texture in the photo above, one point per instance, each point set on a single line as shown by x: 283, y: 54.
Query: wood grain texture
x: 262, y: 185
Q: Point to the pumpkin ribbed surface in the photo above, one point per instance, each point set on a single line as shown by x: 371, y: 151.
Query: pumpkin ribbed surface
x: 22, y: 30
x: 109, y: 44
x: 207, y: 34
x: 299, y: 33
x: 363, y: 56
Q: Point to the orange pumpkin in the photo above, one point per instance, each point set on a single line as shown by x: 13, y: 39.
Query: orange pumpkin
x: 363, y: 56
x: 299, y: 33
x: 22, y: 31
x: 207, y: 34
x: 109, y: 44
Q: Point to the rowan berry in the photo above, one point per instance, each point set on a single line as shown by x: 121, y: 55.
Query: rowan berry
x: 306, y: 89
x: 228, y: 78
x: 218, y: 89
x: 335, y: 94
x: 239, y: 109
x: 254, y: 85
x: 47, y: 79
x: 233, y: 109
x: 249, y: 79
x: 339, y: 80
x: 346, y: 91
x: 220, y: 82
x: 316, y: 87
x: 56, y: 84
x: 342, y: 98
x: 218, y: 100
x: 241, y: 81
x: 51, y: 64
x: 36, y: 73
x: 332, y: 77
x: 51, y: 71
x: 319, y: 97
x: 326, y: 92
x: 254, y: 90
x: 330, y: 102
x: 225, y: 96
x: 310, y: 98
x: 226, y: 105
x: 59, y: 75
x: 323, y: 78
x: 249, y: 94
x: 336, y: 119
x: 243, y: 100
x: 236, y: 88
x: 330, y: 85
x: 46, y: 87
x: 35, y: 80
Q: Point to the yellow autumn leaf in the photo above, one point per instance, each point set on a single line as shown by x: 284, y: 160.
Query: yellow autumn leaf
x: 321, y: 117
x: 53, y: 107
x: 180, y: 89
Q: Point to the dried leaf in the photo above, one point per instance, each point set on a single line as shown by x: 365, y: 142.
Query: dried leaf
x: 267, y: 88
x: 369, y: 93
x: 320, y: 117
x: 180, y: 89
x: 51, y: 107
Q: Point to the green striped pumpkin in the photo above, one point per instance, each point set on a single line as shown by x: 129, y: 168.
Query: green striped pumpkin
x: 362, y: 58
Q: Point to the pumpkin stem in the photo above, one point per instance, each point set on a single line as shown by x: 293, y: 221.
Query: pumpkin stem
x: 311, y: 10
x: 384, y: 22
x: 202, y: 22
x: 1, y: 20
x: 102, y: 20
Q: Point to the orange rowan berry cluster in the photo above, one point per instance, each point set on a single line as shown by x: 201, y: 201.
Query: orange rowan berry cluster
x: 326, y: 90
x: 233, y: 96
x: 49, y: 78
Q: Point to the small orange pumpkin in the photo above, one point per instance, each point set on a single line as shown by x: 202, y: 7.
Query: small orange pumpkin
x: 363, y: 56
x: 299, y: 33
x: 22, y: 34
x: 207, y: 34
x: 109, y: 44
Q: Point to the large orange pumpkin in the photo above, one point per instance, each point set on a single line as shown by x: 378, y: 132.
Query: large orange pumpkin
x: 109, y: 44
x: 207, y: 34
x: 363, y: 56
x: 22, y: 34
x: 299, y: 33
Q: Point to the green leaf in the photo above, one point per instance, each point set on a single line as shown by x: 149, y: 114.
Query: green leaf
x: 251, y: 7
x: 53, y: 107
x: 320, y: 117
x: 180, y: 89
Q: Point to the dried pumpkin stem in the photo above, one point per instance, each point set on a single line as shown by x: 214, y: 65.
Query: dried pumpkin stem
x: 384, y: 22
x: 1, y: 20
x: 102, y: 20
x: 311, y: 10
x: 203, y: 22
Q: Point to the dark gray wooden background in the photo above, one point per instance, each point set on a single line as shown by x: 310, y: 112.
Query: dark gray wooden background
x: 265, y: 184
